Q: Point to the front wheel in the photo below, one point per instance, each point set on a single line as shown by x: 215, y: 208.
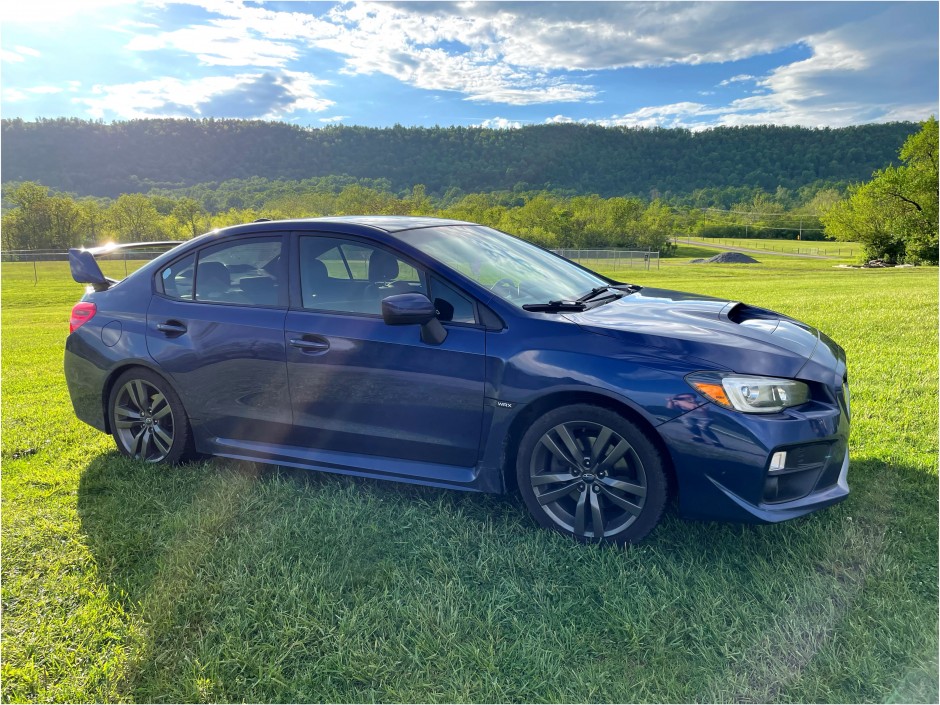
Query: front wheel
x: 590, y: 473
x: 148, y: 421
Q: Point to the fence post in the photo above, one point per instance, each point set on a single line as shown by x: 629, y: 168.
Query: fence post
x: 35, y: 273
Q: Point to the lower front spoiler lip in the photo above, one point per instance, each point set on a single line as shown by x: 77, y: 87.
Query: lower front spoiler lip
x: 783, y: 511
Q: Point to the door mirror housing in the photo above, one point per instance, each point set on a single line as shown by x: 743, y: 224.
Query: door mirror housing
x: 407, y: 309
x: 414, y: 309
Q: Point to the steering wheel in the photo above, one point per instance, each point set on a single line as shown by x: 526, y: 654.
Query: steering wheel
x: 508, y: 287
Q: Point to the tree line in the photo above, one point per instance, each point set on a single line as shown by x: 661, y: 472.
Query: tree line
x: 36, y: 217
x: 894, y: 215
x: 108, y: 159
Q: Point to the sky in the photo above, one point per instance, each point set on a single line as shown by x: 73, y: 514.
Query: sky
x: 491, y: 64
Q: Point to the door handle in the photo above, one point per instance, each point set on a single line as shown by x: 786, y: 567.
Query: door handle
x: 311, y: 344
x: 171, y: 328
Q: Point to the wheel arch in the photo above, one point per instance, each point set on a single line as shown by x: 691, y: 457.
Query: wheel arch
x: 537, y: 408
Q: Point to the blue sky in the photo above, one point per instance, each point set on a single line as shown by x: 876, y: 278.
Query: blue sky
x: 499, y: 64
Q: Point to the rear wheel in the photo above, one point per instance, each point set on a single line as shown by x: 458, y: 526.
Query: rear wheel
x: 590, y: 473
x: 148, y: 421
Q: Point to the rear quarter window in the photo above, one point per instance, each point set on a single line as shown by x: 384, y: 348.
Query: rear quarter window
x: 176, y: 281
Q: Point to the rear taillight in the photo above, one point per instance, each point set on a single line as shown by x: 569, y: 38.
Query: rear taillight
x: 82, y: 312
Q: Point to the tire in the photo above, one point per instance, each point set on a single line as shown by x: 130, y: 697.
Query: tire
x: 148, y: 421
x: 591, y: 474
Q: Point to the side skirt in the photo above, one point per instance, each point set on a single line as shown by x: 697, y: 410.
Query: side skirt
x: 356, y: 464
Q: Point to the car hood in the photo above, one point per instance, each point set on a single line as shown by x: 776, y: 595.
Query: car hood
x: 718, y: 333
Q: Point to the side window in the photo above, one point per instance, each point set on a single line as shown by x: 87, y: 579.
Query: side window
x: 450, y: 304
x: 177, y: 279
x: 249, y: 272
x: 352, y: 277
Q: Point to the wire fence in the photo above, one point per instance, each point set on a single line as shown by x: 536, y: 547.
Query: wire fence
x: 774, y: 246
x: 612, y: 259
x: 111, y: 264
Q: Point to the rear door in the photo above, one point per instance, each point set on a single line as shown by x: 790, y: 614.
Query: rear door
x: 361, y: 386
x: 216, y: 326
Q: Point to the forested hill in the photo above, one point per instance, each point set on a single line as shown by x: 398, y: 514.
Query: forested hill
x: 92, y: 158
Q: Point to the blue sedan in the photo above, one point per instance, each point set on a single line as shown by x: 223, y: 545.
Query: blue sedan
x: 450, y: 354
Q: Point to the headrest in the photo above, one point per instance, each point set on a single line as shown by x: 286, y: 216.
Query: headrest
x: 383, y: 267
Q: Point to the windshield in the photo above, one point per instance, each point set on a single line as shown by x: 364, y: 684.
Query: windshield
x: 511, y: 268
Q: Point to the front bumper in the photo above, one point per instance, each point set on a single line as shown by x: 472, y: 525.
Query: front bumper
x: 722, y: 458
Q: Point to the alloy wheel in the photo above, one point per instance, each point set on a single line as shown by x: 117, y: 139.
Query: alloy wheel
x: 143, y: 421
x: 588, y: 479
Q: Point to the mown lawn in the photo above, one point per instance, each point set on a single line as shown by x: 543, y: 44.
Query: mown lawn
x: 232, y: 582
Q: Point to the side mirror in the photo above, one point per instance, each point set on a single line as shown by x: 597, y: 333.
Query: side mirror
x: 407, y: 309
x: 414, y: 309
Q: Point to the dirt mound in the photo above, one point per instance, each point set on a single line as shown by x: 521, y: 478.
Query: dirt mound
x: 727, y: 258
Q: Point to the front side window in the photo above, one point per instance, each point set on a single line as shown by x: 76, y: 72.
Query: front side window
x: 352, y: 277
x: 511, y: 268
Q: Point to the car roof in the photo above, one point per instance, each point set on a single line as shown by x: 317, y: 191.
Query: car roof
x: 385, y: 223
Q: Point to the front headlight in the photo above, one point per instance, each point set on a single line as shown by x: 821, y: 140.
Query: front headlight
x: 748, y: 393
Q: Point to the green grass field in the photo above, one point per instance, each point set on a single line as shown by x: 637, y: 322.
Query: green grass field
x: 232, y: 582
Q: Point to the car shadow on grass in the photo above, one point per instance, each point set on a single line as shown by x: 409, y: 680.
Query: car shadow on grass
x: 262, y: 583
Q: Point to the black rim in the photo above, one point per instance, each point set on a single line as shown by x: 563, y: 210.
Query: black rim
x: 144, y: 421
x: 588, y: 479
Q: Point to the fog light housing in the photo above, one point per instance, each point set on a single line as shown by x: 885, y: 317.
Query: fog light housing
x: 778, y: 462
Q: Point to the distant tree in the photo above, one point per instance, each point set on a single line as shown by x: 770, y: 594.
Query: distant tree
x: 895, y: 215
x: 64, y: 221
x: 93, y: 221
x: 136, y: 219
x: 191, y: 216
x: 657, y: 226
x: 29, y: 224
x: 420, y: 203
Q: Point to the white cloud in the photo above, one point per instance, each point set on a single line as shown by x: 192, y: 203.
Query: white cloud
x: 872, y: 61
x: 45, y: 89
x: 871, y: 70
x: 26, y: 50
x: 47, y: 11
x: 737, y: 79
x: 12, y: 95
x: 248, y: 95
x: 532, y: 52
x: 372, y: 38
x: 559, y: 119
x: 18, y: 54
x: 499, y: 123
x: 334, y: 118
x: 219, y: 46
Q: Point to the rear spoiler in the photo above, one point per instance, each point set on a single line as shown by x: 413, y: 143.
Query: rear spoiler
x: 85, y: 269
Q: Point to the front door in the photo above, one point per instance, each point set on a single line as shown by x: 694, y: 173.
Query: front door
x: 360, y: 386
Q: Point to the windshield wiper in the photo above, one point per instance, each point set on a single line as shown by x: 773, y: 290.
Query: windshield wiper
x: 581, y: 303
x: 596, y: 291
x: 553, y: 306
x: 592, y: 293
